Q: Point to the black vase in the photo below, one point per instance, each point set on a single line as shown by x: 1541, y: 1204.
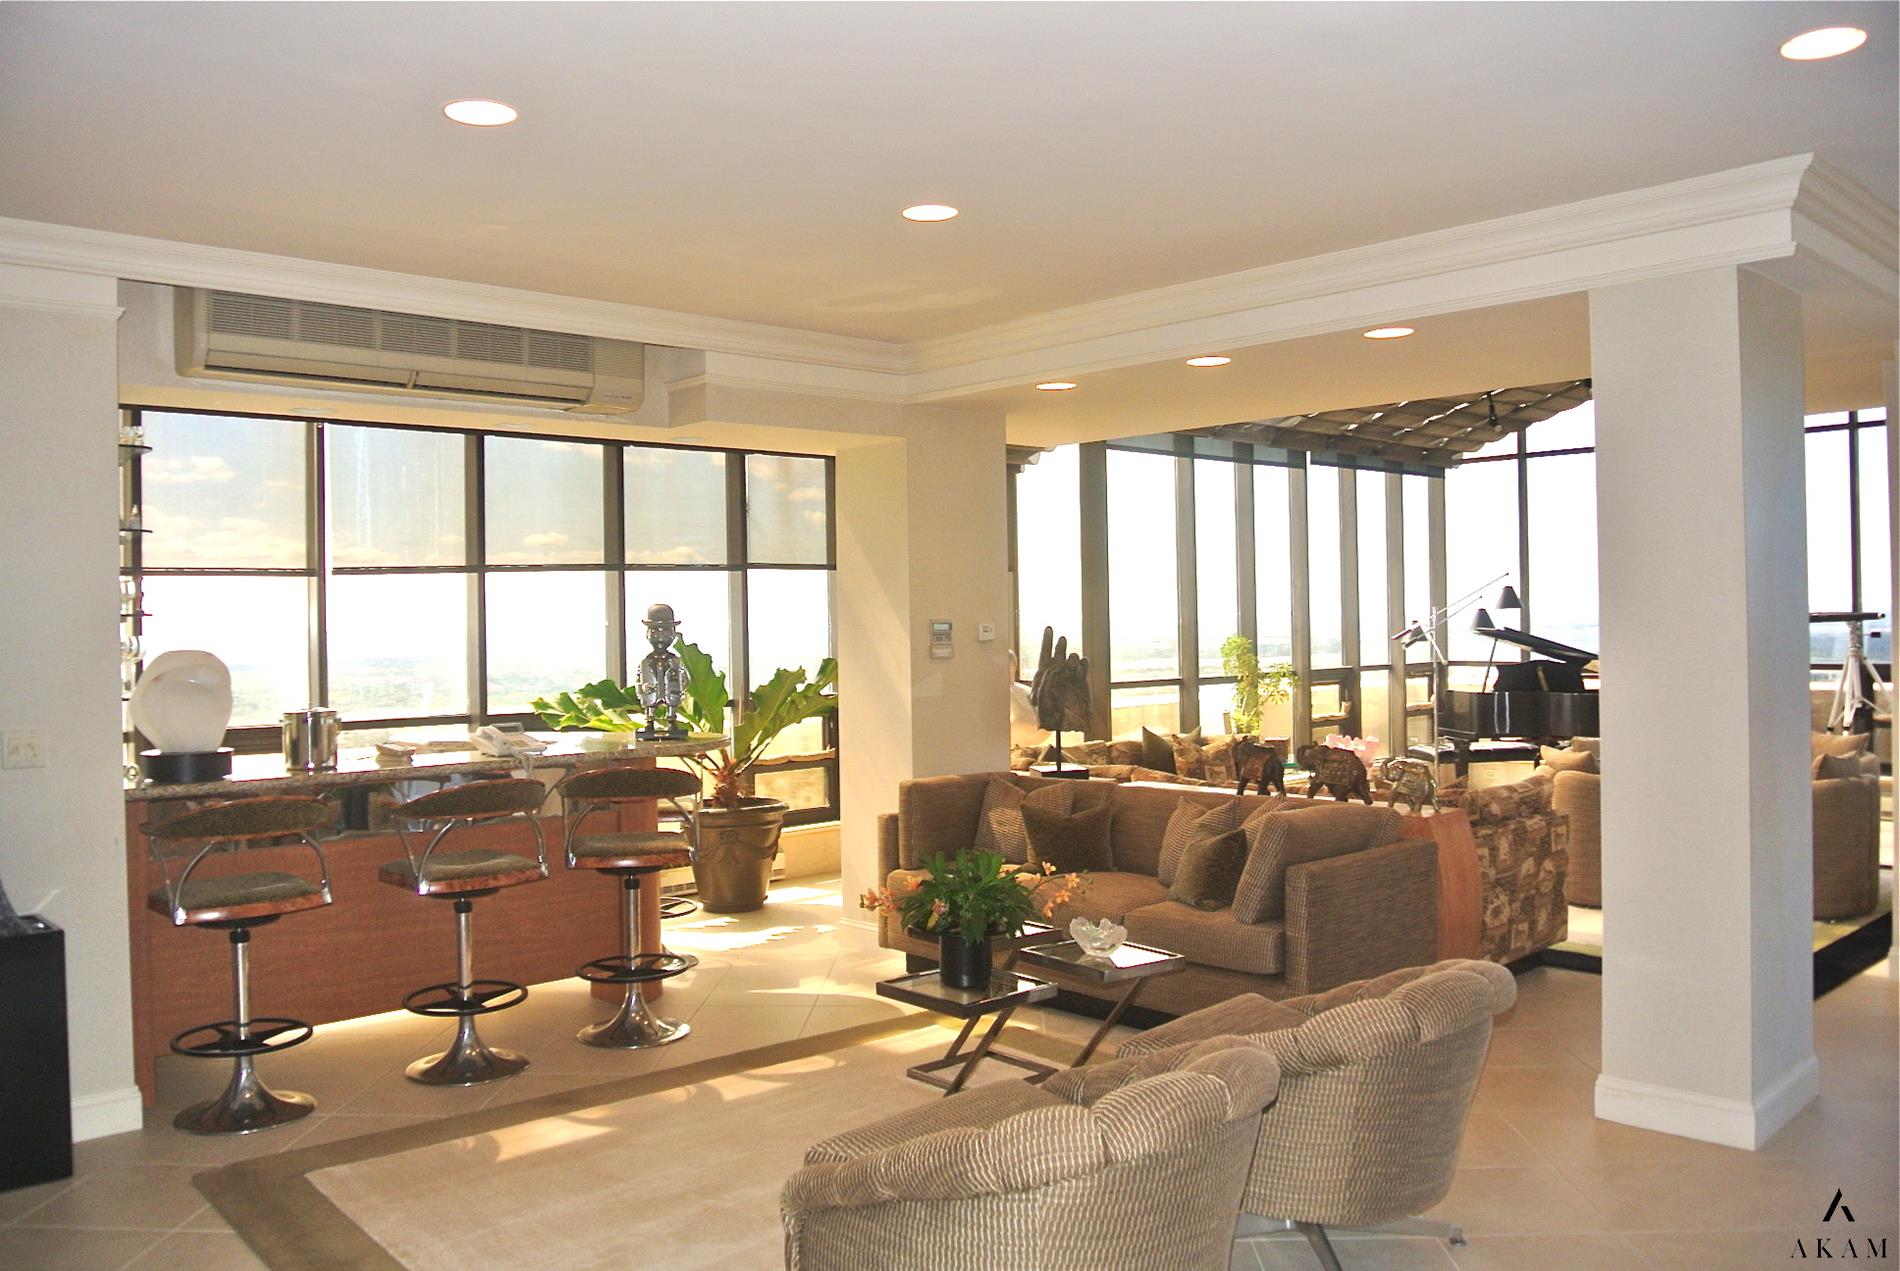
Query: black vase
x: 965, y: 963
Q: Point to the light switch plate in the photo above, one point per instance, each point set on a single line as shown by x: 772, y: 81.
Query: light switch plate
x: 985, y: 631
x: 24, y: 748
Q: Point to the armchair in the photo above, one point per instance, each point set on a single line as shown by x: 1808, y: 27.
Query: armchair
x: 1375, y: 1081
x: 1133, y: 1164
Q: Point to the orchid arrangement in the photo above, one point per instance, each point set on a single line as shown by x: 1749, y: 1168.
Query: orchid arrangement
x: 1366, y: 748
x: 975, y: 894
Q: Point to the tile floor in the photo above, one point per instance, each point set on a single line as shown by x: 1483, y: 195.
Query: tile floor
x: 1541, y: 1183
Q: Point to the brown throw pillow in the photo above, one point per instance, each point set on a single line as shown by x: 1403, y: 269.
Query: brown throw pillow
x: 1494, y: 804
x: 999, y: 826
x: 1836, y: 768
x: 1156, y: 752
x: 1210, y: 870
x: 1072, y: 842
x: 1193, y: 818
x: 1188, y: 759
x: 1219, y: 754
x: 1839, y: 744
x: 1567, y: 760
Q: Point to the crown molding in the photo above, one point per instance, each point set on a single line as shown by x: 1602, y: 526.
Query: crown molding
x: 1734, y: 216
x: 88, y: 251
x: 1844, y: 224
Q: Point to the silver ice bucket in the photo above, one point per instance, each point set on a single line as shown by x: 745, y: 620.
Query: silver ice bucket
x: 310, y: 739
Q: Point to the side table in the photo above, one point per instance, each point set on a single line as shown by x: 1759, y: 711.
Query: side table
x: 1005, y: 992
x: 1134, y: 964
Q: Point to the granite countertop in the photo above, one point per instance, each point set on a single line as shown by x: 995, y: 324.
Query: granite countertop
x: 266, y: 774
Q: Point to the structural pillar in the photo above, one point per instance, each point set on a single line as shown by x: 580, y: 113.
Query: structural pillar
x: 1707, y: 838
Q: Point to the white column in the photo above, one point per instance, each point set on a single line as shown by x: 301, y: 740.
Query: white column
x: 1707, y: 840
x: 62, y: 826
x: 1890, y: 381
x: 921, y: 536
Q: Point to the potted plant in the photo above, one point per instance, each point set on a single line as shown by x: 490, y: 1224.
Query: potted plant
x: 1254, y: 685
x: 735, y: 834
x: 965, y: 902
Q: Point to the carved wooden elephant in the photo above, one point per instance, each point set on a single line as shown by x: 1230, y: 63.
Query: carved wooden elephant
x: 1261, y: 763
x: 1335, y: 770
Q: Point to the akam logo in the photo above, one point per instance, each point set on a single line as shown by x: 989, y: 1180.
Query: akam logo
x: 1847, y: 1247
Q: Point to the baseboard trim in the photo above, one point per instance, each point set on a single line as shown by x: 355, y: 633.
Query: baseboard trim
x: 114, y: 1112
x: 1730, y: 1122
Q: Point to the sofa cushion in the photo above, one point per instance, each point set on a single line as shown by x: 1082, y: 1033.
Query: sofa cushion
x: 1529, y: 797
x: 1838, y: 743
x: 1126, y: 750
x: 1108, y: 894
x: 1191, y: 819
x: 1079, y: 754
x: 1070, y: 842
x: 937, y: 814
x: 1836, y: 767
x: 1209, y: 870
x: 999, y: 826
x: 1570, y: 760
x: 1219, y: 756
x: 1287, y: 837
x: 1189, y: 759
x: 1211, y: 937
x: 1156, y: 751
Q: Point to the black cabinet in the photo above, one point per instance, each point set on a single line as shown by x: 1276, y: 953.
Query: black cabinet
x: 36, y: 1107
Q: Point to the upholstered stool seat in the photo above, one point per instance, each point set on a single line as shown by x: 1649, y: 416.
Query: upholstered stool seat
x: 460, y: 877
x: 476, y: 869
x: 632, y: 856
x: 238, y: 903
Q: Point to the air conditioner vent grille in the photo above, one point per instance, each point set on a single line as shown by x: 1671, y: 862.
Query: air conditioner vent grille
x: 336, y: 325
x: 407, y: 333
x: 560, y: 352
x: 234, y: 314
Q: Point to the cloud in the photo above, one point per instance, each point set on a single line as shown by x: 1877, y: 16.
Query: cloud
x: 551, y: 538
x: 187, y: 470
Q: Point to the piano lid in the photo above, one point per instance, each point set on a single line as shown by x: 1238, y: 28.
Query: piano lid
x: 1537, y: 644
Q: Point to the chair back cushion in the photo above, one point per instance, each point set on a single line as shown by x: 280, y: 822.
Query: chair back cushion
x: 1292, y: 836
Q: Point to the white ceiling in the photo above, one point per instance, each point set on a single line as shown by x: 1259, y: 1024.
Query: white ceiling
x: 748, y: 161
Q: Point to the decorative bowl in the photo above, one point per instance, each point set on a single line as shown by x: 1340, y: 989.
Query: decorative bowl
x: 1098, y: 939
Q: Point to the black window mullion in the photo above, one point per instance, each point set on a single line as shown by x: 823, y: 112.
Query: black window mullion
x: 317, y: 557
x: 614, y: 500
x: 475, y: 533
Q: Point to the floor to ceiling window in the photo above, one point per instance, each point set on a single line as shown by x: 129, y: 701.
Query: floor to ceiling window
x: 421, y: 581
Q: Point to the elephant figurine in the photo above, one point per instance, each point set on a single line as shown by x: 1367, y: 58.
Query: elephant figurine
x: 1262, y: 763
x: 1335, y: 770
x: 1413, y: 782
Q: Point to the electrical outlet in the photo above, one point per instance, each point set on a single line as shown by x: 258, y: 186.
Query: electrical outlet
x: 24, y: 749
x: 985, y: 631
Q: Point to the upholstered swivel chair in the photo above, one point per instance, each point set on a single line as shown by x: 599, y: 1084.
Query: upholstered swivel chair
x: 1136, y: 1165
x: 1375, y: 1081
x: 635, y: 857
x: 461, y: 877
x: 239, y: 903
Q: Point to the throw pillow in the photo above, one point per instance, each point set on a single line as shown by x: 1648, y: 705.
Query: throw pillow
x: 999, y: 825
x: 1156, y: 752
x: 1839, y: 744
x: 1567, y: 760
x: 1210, y: 869
x: 1077, y: 754
x: 1836, y: 768
x: 1219, y: 754
x: 1191, y: 819
x: 1071, y: 841
x: 1529, y: 797
x: 1188, y: 759
x: 1125, y: 751
x: 1284, y: 838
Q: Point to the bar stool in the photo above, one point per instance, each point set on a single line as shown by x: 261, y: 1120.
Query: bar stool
x: 462, y: 877
x: 237, y: 903
x: 633, y: 856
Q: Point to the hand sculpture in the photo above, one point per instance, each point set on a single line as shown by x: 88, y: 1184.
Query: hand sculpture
x: 1060, y: 690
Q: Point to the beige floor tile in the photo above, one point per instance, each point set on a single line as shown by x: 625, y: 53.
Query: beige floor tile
x: 1747, y: 1193
x: 831, y: 1014
x: 1516, y: 1200
x: 1533, y: 1048
x: 1579, y: 1138
x: 333, y: 1129
x: 1361, y: 1253
x: 395, y: 1095
x: 1737, y: 1250
x: 1548, y: 1253
x: 144, y: 1196
x: 1492, y: 1141
x: 199, y: 1251
x: 1536, y: 1091
x: 21, y: 1200
x: 206, y: 1219
x: 64, y: 1249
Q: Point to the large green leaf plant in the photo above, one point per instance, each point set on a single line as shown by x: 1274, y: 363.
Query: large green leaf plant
x: 788, y: 698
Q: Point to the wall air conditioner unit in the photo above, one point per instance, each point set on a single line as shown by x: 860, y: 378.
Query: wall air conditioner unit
x: 230, y: 335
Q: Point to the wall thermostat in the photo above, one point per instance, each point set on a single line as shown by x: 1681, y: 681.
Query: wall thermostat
x: 939, y: 638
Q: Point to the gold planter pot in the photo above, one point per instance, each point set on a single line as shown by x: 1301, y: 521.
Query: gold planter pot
x: 732, y: 864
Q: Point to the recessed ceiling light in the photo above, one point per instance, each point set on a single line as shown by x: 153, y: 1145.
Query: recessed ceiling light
x: 477, y: 112
x: 1210, y: 360
x: 1829, y: 41
x: 1387, y: 333
x: 1055, y: 386
x: 930, y: 212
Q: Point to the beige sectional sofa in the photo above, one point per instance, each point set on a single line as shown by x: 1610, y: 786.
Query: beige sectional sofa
x: 1366, y: 905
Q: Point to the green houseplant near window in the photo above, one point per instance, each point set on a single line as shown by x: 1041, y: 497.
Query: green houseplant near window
x: 1254, y: 685
x: 735, y: 834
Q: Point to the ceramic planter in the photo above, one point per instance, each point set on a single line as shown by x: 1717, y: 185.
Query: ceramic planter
x: 732, y: 863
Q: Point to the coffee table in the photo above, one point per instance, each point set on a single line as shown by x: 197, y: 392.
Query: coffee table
x: 1005, y: 992
x: 1134, y: 964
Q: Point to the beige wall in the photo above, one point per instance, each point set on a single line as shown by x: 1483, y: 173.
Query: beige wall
x: 62, y: 826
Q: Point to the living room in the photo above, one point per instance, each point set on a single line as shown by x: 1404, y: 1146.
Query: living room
x: 900, y: 350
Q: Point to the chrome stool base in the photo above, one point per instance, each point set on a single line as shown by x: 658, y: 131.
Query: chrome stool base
x: 469, y: 1061
x: 246, y: 1106
x: 633, y: 1027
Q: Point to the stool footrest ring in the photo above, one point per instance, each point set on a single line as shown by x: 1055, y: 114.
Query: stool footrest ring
x: 266, y: 1034
x: 641, y: 968
x: 483, y: 997
x: 678, y: 906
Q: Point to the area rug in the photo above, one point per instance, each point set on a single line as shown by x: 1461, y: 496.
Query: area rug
x: 680, y: 1168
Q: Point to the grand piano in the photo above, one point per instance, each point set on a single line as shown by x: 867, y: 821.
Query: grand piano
x: 1542, y: 700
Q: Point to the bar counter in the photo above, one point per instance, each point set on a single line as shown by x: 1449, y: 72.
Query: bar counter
x: 359, y: 955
